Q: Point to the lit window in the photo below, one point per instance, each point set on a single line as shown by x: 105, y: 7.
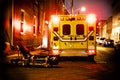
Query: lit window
x: 34, y: 25
x: 22, y: 15
x: 22, y: 21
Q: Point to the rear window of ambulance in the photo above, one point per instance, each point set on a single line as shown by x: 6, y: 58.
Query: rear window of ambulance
x: 79, y: 29
x: 66, y: 29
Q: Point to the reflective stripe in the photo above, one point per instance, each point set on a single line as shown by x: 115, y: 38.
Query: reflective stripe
x: 68, y: 40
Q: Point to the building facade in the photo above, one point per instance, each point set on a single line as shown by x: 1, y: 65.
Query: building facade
x: 116, y: 20
x: 116, y: 27
x: 27, y: 19
x: 26, y: 22
x: 111, y: 27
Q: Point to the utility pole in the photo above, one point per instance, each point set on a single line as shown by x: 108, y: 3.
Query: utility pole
x: 72, y: 7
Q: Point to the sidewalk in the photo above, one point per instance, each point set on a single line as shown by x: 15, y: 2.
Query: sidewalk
x: 13, y: 55
x: 16, y: 54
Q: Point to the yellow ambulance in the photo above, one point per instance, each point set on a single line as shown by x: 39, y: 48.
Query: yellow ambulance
x: 73, y: 35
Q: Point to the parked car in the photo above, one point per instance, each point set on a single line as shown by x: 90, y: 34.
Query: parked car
x: 108, y: 43
x: 97, y: 40
x: 101, y: 40
x: 117, y: 47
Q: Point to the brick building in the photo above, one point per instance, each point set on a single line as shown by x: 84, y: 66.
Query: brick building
x: 28, y: 19
x: 116, y: 20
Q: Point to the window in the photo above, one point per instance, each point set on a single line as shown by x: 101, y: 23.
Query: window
x: 22, y: 21
x: 21, y: 27
x: 79, y: 29
x: 34, y: 24
x: 22, y: 15
x: 66, y: 29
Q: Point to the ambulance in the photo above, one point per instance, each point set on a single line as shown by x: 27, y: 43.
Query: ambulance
x: 73, y: 35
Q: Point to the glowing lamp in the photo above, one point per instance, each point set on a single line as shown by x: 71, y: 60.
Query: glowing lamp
x: 55, y: 19
x: 91, y: 18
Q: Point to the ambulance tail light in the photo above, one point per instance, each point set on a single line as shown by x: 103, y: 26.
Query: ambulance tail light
x: 55, y: 19
x: 91, y: 51
x: 55, y: 29
x: 55, y: 50
x: 91, y: 28
x: 91, y: 18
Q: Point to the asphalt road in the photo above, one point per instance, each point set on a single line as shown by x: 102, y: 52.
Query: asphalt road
x: 66, y: 70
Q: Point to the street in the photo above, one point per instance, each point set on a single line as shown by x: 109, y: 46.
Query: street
x: 104, y: 54
x: 82, y: 69
x: 64, y: 29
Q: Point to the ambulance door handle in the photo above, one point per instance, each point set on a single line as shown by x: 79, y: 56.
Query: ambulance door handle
x: 71, y: 38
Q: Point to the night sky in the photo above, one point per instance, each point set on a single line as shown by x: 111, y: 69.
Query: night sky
x: 101, y: 8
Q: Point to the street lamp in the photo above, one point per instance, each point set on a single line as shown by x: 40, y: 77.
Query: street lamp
x: 83, y: 9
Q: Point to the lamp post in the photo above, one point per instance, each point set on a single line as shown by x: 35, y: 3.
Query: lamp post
x: 81, y: 10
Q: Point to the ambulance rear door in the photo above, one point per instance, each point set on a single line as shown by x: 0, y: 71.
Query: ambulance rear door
x: 73, y: 32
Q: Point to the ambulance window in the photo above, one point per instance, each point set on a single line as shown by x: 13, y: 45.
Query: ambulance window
x: 66, y: 29
x: 79, y: 29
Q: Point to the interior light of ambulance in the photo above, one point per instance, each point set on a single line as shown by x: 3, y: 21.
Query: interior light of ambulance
x: 55, y: 19
x: 91, y: 18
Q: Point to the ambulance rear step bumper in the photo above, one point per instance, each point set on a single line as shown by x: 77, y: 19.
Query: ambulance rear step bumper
x: 64, y: 53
